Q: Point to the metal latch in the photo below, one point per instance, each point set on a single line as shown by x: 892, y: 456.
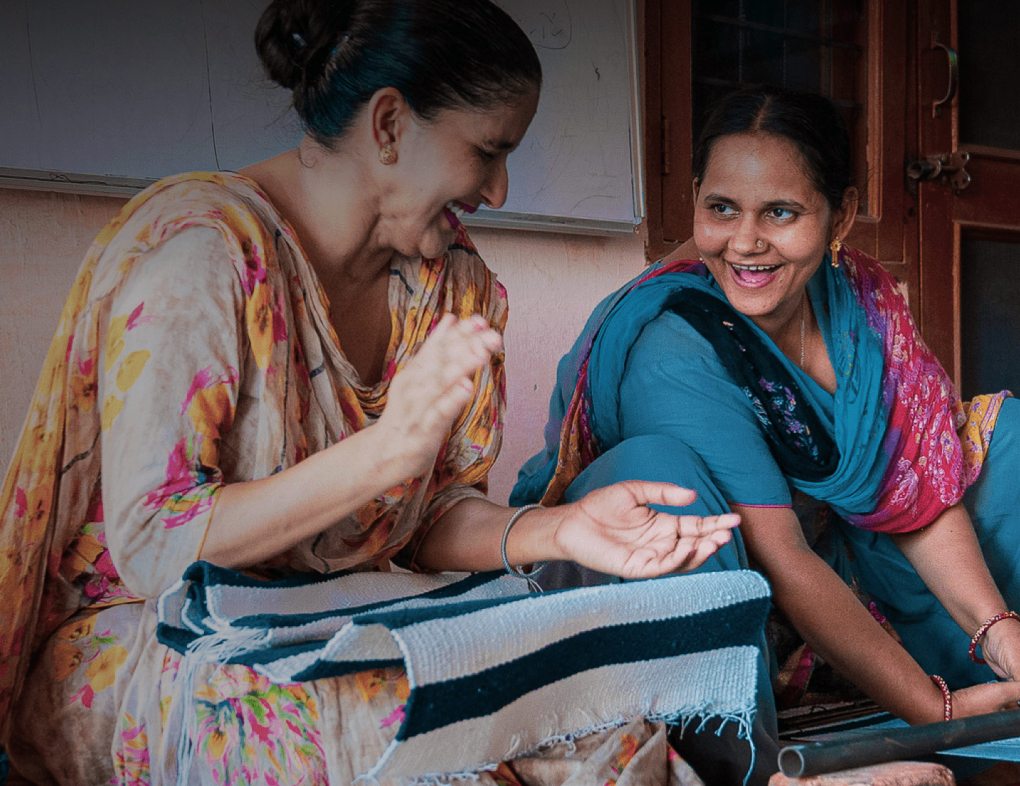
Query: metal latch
x: 947, y: 168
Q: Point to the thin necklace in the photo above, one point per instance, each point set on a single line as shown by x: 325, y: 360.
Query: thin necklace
x: 803, y: 311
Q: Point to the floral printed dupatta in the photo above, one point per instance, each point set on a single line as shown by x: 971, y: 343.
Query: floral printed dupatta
x: 893, y: 461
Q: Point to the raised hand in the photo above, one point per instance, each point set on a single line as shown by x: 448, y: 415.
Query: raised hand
x: 613, y: 531
x: 428, y: 394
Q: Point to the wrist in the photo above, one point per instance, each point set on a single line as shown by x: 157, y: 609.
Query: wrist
x: 992, y: 632
x: 532, y: 538
x: 945, y: 697
x: 387, y: 455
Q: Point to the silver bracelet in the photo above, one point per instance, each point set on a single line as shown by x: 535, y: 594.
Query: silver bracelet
x: 502, y: 550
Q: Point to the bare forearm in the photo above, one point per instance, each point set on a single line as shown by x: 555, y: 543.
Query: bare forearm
x: 468, y: 537
x: 832, y: 620
x: 948, y: 558
x: 254, y: 521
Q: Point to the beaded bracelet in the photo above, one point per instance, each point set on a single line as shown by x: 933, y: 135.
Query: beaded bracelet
x: 947, y: 697
x: 532, y: 584
x: 1006, y: 615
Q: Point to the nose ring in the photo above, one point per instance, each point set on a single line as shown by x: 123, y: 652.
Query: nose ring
x: 759, y: 244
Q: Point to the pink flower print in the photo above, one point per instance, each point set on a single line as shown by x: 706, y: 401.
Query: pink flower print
x: 397, y: 716
x: 85, y: 696
x: 135, y: 318
x: 20, y: 502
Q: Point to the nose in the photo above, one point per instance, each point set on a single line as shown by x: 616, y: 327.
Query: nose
x: 745, y: 236
x: 494, y: 189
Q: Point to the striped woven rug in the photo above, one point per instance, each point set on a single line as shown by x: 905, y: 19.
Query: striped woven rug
x: 540, y: 668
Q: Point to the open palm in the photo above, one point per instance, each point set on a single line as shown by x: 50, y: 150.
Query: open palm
x: 613, y: 530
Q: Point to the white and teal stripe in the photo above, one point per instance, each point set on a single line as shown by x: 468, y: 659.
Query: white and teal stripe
x: 538, y: 668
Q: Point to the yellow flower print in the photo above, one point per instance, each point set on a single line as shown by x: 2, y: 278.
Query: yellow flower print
x: 217, y: 743
x: 370, y: 683
x: 132, y: 366
x: 66, y: 660
x: 403, y: 689
x: 259, y: 315
x: 111, y: 408
x: 82, y: 553
x: 115, y: 333
x: 209, y: 409
x: 102, y: 671
x: 77, y: 630
x: 630, y: 749
x: 115, y: 339
x: 84, y: 385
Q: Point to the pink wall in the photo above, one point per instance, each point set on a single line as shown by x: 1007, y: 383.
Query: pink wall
x: 553, y: 281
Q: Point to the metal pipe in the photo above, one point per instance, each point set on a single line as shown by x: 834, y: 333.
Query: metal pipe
x: 815, y: 758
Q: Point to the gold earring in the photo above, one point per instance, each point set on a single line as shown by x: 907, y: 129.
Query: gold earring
x: 387, y: 155
x: 834, y: 249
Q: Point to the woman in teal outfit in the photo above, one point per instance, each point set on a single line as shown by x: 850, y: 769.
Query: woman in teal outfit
x: 783, y: 363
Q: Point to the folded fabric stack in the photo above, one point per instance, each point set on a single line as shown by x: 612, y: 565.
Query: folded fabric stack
x: 540, y: 668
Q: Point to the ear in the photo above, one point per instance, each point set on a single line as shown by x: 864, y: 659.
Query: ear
x: 843, y: 218
x: 695, y: 188
x: 388, y: 111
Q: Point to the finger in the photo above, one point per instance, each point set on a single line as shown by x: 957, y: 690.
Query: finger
x: 449, y: 405
x: 694, y: 526
x: 452, y: 354
x: 694, y: 552
x: 651, y: 493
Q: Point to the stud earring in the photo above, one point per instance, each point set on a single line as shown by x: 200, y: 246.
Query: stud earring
x: 834, y: 249
x: 387, y: 155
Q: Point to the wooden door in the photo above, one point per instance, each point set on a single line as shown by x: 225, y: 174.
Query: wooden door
x: 968, y: 72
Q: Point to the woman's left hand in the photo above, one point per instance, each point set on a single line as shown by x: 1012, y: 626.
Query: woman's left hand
x: 613, y: 531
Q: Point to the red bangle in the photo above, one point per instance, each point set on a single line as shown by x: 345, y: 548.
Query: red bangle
x: 1006, y: 615
x: 947, y: 697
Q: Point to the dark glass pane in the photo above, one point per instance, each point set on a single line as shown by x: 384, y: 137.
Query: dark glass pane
x: 989, y: 70
x: 763, y: 58
x: 990, y: 325
x: 716, y: 50
x: 845, y: 20
x: 804, y: 16
x: 765, y: 12
x: 803, y: 65
x: 730, y: 8
x: 846, y: 78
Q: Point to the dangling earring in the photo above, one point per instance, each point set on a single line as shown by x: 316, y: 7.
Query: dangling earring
x: 387, y: 155
x: 834, y: 249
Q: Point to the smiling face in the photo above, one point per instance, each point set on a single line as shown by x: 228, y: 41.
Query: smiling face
x: 447, y: 167
x: 761, y: 225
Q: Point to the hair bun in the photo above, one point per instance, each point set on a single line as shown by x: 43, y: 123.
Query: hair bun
x: 294, y: 38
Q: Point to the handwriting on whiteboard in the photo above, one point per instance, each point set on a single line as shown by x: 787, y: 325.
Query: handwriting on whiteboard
x: 547, y: 22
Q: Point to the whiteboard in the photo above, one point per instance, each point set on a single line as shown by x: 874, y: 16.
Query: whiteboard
x: 109, y: 95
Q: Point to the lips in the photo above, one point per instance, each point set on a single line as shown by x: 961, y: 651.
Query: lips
x: 754, y: 276
x: 454, y: 212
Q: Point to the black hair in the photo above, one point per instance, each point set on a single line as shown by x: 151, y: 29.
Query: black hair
x: 440, y: 54
x: 811, y: 122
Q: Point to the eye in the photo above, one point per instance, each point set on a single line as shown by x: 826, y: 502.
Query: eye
x: 722, y: 210
x: 782, y: 214
x: 485, y: 155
